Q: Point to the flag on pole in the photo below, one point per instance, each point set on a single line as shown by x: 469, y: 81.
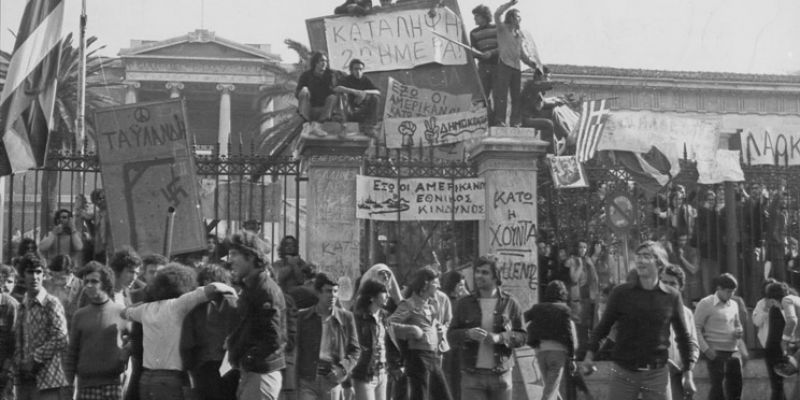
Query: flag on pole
x: 29, y: 93
x: 590, y: 127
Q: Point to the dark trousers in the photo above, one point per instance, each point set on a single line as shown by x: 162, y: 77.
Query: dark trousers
x: 725, y: 373
x: 507, y: 81
x: 208, y: 383
x: 365, y: 112
x: 775, y: 380
x: 486, y: 71
x: 424, y: 371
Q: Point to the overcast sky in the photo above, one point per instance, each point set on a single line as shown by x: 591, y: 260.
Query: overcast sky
x: 692, y: 35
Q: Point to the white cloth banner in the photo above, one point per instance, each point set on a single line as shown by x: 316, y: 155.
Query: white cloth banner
x: 436, y: 130
x: 404, y: 101
x: 420, y: 199
x: 771, y: 146
x: 639, y: 131
x: 395, y: 40
x: 724, y: 167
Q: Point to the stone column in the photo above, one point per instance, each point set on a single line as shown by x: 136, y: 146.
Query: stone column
x: 507, y: 160
x: 224, y: 117
x: 174, y: 89
x: 333, y: 234
x: 131, y: 91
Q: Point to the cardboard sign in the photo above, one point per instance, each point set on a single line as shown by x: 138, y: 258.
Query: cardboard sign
x: 436, y: 130
x: 405, y: 101
x: 394, y: 40
x: 420, y: 199
x: 147, y: 168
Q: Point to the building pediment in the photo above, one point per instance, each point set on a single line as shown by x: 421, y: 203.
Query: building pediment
x: 199, y: 44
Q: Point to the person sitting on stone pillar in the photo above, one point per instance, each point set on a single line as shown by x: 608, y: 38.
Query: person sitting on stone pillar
x: 315, y: 96
x: 361, y: 95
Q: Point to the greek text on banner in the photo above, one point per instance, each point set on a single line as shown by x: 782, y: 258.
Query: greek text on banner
x: 420, y: 199
x: 436, y: 130
x: 404, y: 101
x: 771, y: 146
x: 395, y: 40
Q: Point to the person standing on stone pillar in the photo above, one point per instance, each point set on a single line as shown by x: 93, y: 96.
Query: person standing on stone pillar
x: 315, y: 96
x: 484, y: 39
x: 514, y: 47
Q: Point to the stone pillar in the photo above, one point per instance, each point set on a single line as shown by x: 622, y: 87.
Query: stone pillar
x: 174, y: 89
x: 131, y: 91
x: 333, y: 234
x: 224, y: 117
x: 267, y: 105
x: 509, y: 166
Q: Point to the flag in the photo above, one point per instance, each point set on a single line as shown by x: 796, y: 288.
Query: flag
x: 590, y: 127
x: 29, y: 92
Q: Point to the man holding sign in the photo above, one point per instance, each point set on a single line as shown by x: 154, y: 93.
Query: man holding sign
x: 514, y: 47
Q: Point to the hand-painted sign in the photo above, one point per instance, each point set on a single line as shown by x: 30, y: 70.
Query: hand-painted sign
x: 621, y: 212
x: 436, y: 130
x: 405, y: 101
x: 147, y: 169
x: 395, y: 40
x: 771, y: 146
x: 420, y: 199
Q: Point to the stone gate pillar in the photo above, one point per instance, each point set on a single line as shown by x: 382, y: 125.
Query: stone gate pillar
x: 508, y: 161
x: 332, y: 238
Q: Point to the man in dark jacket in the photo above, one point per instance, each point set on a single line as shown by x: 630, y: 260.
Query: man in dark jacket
x: 257, y: 345
x: 486, y: 327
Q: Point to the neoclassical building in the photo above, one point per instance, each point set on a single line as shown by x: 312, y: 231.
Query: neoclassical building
x: 223, y: 82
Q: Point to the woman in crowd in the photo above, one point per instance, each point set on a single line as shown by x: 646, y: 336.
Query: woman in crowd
x: 370, y: 373
x: 552, y: 333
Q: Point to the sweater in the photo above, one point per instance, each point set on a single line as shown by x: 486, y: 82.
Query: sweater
x: 95, y: 345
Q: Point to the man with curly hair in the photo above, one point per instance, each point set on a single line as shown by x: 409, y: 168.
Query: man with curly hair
x: 41, y: 337
x: 174, y: 293
x: 127, y: 265
x: 258, y: 344
x: 97, y: 354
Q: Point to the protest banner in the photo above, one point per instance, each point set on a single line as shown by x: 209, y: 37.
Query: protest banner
x: 724, y: 167
x: 638, y: 131
x: 147, y: 169
x: 436, y: 130
x: 420, y: 199
x: 400, y: 39
x: 405, y: 101
x: 771, y: 146
x: 241, y: 200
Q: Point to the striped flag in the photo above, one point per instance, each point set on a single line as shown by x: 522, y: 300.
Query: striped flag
x: 29, y: 92
x: 590, y: 127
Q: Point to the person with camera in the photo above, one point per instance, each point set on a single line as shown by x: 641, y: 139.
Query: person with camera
x: 63, y: 239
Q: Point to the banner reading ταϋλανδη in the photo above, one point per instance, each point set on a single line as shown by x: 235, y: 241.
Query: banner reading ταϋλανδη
x: 420, y: 199
x: 395, y: 40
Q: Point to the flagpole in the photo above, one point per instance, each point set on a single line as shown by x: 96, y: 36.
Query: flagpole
x: 80, y: 115
x: 3, y: 179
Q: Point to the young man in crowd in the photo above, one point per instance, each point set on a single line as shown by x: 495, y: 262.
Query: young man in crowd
x: 673, y: 276
x: 720, y: 332
x: 327, y: 344
x: 174, y: 294
x: 127, y: 265
x: 315, y: 96
x: 487, y: 326
x: 41, y: 337
x: 97, y: 354
x: 643, y: 311
x: 150, y: 265
x: 8, y: 320
x: 257, y: 346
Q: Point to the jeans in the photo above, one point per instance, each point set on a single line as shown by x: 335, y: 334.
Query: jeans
x: 551, y: 366
x: 424, y: 371
x: 628, y: 385
x: 486, y: 386
x: 255, y: 386
x: 162, y: 385
x: 507, y: 81
x: 374, y: 389
x: 320, y: 388
x: 725, y: 373
x: 486, y: 71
